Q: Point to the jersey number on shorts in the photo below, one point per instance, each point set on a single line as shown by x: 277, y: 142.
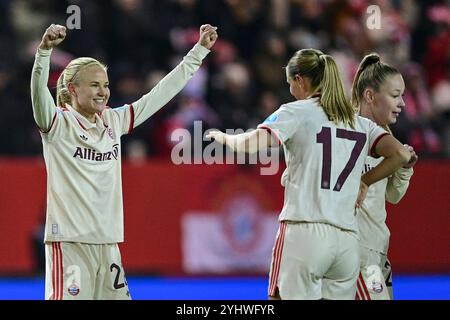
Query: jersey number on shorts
x: 324, y: 137
x: 117, y: 285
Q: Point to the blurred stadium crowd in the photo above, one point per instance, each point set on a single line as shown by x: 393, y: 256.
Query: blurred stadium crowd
x: 243, y: 81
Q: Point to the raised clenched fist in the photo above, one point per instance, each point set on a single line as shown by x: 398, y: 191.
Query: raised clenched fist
x: 53, y: 36
x: 208, y: 36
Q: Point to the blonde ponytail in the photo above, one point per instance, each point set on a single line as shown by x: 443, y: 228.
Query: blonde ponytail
x: 70, y: 75
x: 324, y: 75
x: 333, y: 99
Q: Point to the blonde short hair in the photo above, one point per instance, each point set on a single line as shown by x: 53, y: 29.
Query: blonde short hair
x: 70, y: 75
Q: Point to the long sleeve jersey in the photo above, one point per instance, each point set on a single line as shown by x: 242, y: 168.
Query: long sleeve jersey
x: 83, y: 159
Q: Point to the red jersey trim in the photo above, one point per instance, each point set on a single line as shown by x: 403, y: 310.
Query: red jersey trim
x: 130, y: 129
x: 100, y: 114
x: 81, y: 125
x: 372, y: 149
x: 51, y: 125
x: 272, y: 133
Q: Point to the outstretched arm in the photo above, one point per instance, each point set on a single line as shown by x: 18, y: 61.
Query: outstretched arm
x: 175, y: 81
x: 42, y: 100
x: 249, y: 142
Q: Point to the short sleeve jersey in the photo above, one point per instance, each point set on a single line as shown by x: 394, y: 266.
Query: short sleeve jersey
x: 374, y: 232
x: 372, y: 215
x: 324, y: 162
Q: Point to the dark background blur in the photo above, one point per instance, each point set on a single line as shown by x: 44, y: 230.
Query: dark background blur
x: 242, y: 81
x: 238, y: 86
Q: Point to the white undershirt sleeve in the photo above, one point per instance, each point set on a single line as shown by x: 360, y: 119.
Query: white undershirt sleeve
x: 398, y: 184
x: 42, y: 101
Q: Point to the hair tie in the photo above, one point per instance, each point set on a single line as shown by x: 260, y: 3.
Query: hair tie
x: 322, y: 58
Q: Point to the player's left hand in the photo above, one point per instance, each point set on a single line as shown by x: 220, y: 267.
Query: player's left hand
x: 414, y: 157
x: 361, y: 194
x: 208, y: 36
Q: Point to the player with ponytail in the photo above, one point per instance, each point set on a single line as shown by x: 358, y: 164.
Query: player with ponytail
x: 316, y: 252
x: 377, y: 94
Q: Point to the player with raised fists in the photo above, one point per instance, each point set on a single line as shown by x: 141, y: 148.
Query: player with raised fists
x: 82, y: 152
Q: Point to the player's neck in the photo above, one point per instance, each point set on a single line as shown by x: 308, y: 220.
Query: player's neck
x: 89, y: 116
x: 364, y: 111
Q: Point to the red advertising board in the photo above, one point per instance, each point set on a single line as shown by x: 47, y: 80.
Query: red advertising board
x: 233, y: 207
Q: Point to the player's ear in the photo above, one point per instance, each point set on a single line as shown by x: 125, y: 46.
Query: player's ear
x: 71, y: 88
x: 299, y: 80
x: 368, y: 95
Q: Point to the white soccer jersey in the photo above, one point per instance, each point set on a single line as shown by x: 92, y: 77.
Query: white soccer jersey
x: 83, y: 159
x: 324, y: 162
x: 371, y: 216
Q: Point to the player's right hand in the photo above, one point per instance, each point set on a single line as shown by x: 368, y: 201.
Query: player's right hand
x: 217, y: 135
x: 414, y: 157
x: 361, y: 194
x: 53, y: 36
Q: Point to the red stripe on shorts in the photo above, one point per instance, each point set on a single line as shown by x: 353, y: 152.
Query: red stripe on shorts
x: 61, y: 272
x: 359, y: 292
x: 276, y: 261
x: 53, y: 270
x: 57, y: 274
x: 364, y: 288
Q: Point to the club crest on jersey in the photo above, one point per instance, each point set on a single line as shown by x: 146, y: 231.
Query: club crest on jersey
x: 94, y: 155
x: 111, y: 133
x: 377, y: 287
x: 73, y: 289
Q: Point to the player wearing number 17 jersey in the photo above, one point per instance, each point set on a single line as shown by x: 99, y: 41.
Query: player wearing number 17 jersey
x: 316, y: 254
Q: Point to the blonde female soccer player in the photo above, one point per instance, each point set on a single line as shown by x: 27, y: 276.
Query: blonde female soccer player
x: 82, y: 151
x: 377, y: 93
x: 316, y: 253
